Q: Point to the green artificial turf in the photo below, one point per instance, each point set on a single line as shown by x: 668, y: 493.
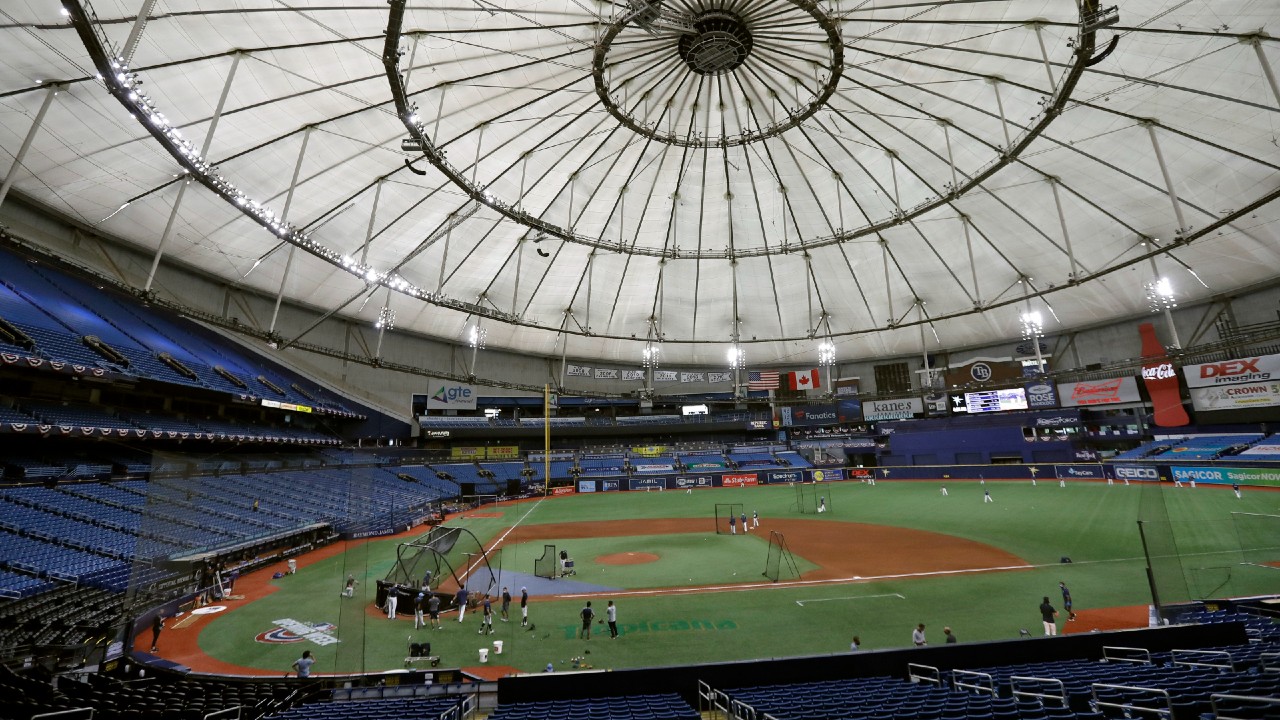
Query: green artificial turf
x: 1092, y: 523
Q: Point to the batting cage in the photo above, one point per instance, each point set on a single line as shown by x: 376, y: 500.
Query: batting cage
x: 812, y: 498
x: 445, y: 559
x: 728, y: 517
x: 779, y: 563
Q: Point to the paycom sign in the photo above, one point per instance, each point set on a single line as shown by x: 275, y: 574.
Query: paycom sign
x: 451, y: 396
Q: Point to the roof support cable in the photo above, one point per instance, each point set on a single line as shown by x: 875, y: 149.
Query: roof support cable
x: 182, y: 189
x: 26, y: 142
x: 1168, y: 180
x: 1072, y: 274
x: 1004, y: 122
x: 135, y: 33
x: 1256, y: 42
x: 284, y: 214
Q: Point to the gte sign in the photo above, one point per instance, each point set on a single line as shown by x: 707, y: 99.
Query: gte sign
x: 452, y: 396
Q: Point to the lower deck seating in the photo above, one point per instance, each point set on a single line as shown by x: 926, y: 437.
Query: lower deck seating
x: 634, y: 707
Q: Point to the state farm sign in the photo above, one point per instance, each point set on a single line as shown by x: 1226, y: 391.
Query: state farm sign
x: 1099, y: 392
x: 1233, y: 372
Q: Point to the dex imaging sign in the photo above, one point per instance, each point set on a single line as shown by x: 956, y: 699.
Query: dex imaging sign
x: 451, y: 396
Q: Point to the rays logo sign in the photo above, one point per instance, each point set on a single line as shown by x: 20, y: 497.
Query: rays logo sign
x: 288, y: 631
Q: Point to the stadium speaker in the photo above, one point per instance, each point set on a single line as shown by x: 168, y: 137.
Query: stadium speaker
x: 513, y: 487
x: 1065, y: 560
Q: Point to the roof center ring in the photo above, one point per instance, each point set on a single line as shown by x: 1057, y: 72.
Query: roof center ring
x: 773, y: 64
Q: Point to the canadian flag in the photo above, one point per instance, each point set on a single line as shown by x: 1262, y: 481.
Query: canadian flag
x: 804, y: 380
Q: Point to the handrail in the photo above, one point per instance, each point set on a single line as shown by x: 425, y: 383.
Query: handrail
x: 931, y: 674
x: 1218, y: 714
x: 1155, y: 692
x: 739, y: 710
x: 976, y: 685
x: 1266, y: 659
x: 1178, y: 654
x: 1017, y: 681
x: 231, y: 713
x: 64, y: 714
x: 1141, y: 656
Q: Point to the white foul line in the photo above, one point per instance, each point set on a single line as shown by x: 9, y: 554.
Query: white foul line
x: 900, y: 596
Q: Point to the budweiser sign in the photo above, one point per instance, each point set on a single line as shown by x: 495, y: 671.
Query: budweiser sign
x: 1099, y: 392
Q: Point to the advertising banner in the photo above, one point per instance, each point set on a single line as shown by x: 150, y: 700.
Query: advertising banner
x: 1245, y: 476
x: 695, y: 481
x: 861, y: 473
x: 901, y: 409
x: 1243, y: 371
x: 1236, y: 397
x: 610, y: 485
x: 849, y: 410
x: 708, y: 465
x: 649, y: 450
x: 647, y: 483
x: 504, y: 452
x: 586, y: 486
x: 738, y: 479
x: 784, y: 476
x: 1099, y: 392
x: 811, y: 415
x: 1066, y: 419
x: 562, y: 490
x: 1135, y: 473
x: 1078, y: 472
x: 826, y: 475
x: 654, y: 468
x: 466, y: 453
x: 1043, y: 394
x: 537, y: 457
x: 451, y: 396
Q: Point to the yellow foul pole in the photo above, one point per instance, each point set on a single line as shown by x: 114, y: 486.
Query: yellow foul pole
x: 546, y: 439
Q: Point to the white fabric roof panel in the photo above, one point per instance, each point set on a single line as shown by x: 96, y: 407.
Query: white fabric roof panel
x: 910, y: 111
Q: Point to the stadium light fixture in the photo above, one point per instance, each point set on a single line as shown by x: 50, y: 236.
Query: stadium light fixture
x: 1032, y: 325
x: 476, y: 337
x: 1160, y: 295
x: 386, y: 318
x: 737, y: 357
x: 650, y: 356
x: 826, y: 353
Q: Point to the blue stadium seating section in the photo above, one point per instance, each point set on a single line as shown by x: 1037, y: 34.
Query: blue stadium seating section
x: 635, y: 707
x: 58, y: 312
x: 602, y: 467
x: 1206, y: 447
x: 381, y: 709
x: 1267, y: 449
x: 101, y: 533
x: 989, y: 693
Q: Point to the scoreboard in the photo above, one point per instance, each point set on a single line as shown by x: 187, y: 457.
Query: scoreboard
x: 994, y: 401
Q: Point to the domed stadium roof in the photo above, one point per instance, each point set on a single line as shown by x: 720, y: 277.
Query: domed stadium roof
x: 699, y: 172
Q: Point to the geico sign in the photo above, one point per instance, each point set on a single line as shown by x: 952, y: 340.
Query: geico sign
x: 1158, y: 372
x: 1234, y: 371
x: 1136, y: 473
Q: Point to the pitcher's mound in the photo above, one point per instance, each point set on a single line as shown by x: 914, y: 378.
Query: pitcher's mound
x: 627, y: 558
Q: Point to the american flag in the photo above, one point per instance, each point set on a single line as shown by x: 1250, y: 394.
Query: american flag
x: 763, y: 380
